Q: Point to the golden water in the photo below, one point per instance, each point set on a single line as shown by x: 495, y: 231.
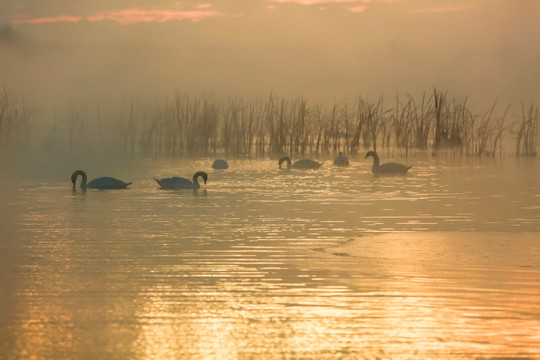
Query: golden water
x: 334, y: 263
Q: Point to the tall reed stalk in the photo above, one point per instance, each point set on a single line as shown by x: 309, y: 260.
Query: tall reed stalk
x: 527, y: 132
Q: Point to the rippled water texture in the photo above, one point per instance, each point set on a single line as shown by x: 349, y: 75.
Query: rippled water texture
x: 262, y: 263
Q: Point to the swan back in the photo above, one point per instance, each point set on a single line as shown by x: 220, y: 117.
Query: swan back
x: 341, y: 160
x: 107, y: 182
x: 220, y: 164
x: 392, y: 168
x: 306, y: 164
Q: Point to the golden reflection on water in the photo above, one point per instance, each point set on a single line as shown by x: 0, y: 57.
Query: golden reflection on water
x: 264, y: 263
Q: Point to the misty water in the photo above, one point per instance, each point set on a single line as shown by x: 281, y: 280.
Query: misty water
x: 443, y: 263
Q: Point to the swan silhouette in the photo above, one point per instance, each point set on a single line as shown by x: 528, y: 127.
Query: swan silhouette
x: 174, y: 183
x: 341, y: 160
x: 300, y: 164
x: 104, y: 182
x: 388, y: 168
x: 220, y: 164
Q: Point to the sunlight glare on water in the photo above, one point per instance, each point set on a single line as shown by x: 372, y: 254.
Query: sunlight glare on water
x: 267, y: 263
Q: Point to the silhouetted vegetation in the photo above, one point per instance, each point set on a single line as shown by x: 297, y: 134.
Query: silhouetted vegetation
x: 527, y: 132
x: 203, y: 125
x: 16, y: 118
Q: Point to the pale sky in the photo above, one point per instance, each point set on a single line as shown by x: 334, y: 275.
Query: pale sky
x: 485, y: 49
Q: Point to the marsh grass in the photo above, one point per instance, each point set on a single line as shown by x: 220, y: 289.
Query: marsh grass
x: 527, y: 132
x: 17, y: 117
x: 203, y: 125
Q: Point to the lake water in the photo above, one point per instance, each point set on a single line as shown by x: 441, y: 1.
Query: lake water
x: 269, y: 264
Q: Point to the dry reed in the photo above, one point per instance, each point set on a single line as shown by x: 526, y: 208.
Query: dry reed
x: 206, y: 126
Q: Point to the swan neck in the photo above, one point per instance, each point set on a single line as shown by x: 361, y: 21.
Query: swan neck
x: 288, y: 160
x: 76, y: 175
x: 196, y: 181
x: 83, y: 181
x: 376, y: 160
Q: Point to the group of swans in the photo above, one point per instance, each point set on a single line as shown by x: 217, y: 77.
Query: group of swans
x: 342, y: 160
x: 106, y: 182
x: 174, y: 183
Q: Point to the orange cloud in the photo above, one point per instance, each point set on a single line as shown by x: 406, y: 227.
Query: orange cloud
x: 129, y: 16
x: 440, y: 10
x: 133, y: 16
x: 23, y: 19
x: 314, y: 2
x: 358, y: 9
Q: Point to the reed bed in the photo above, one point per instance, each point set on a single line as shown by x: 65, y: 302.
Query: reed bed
x: 17, y: 117
x: 203, y: 125
x: 527, y: 132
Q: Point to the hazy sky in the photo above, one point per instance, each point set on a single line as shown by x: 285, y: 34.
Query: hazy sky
x: 93, y: 49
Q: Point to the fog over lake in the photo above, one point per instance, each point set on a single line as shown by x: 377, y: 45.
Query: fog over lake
x: 261, y: 262
x: 54, y: 52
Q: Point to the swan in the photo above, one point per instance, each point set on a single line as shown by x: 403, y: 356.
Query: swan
x: 388, y: 168
x: 176, y: 182
x: 300, y: 164
x: 98, y: 183
x: 220, y: 164
x: 341, y: 160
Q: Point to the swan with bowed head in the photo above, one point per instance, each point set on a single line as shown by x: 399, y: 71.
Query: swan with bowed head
x: 175, y: 183
x: 102, y: 183
x: 387, y: 168
x: 300, y: 164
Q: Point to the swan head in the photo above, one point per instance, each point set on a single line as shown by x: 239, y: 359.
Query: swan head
x: 283, y: 159
x: 201, y: 174
x: 74, y: 178
x: 370, y: 153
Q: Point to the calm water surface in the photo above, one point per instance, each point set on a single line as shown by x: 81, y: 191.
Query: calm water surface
x: 334, y: 263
